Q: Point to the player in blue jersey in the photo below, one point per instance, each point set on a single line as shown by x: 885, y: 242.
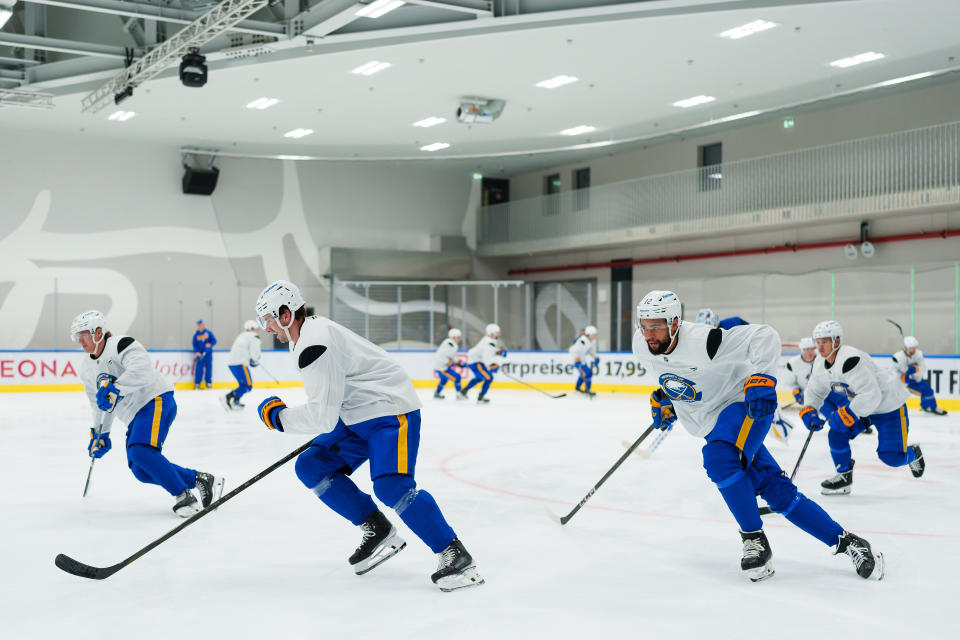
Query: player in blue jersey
x: 203, y: 343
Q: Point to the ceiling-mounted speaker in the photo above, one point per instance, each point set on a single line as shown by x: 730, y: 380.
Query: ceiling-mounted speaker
x: 200, y: 182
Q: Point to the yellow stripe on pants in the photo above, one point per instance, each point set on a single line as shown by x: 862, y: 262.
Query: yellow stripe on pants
x: 246, y: 372
x: 402, y: 445
x: 903, y: 426
x: 744, y: 432
x: 155, y: 429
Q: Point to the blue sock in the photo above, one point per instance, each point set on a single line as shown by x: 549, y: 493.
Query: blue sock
x: 149, y: 465
x: 809, y: 516
x: 741, y: 499
x: 424, y: 518
x: 338, y: 492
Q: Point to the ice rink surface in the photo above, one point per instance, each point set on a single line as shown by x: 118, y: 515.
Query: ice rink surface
x: 654, y: 554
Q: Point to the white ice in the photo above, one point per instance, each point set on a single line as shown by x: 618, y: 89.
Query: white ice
x: 654, y: 554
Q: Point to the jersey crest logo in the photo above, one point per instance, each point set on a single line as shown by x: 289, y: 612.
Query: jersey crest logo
x: 679, y: 389
x: 843, y: 389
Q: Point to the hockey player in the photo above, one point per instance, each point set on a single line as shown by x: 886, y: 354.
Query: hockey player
x: 484, y: 361
x: 443, y: 364
x: 244, y: 354
x: 119, y: 376
x: 798, y: 369
x: 365, y: 408
x: 203, y: 343
x: 853, y: 393
x: 584, y: 354
x: 913, y: 373
x: 707, y: 316
x: 718, y: 384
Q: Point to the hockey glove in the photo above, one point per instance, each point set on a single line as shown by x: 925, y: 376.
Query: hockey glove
x: 502, y: 352
x: 798, y: 396
x: 912, y: 372
x: 254, y: 363
x: 107, y: 397
x: 811, y: 419
x: 269, y: 411
x: 760, y: 394
x: 98, y: 446
x: 848, y: 418
x: 661, y: 408
x: 596, y: 361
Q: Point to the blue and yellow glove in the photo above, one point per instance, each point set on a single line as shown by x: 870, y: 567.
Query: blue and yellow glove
x: 502, y: 352
x: 760, y: 394
x: 848, y: 418
x: 269, y: 411
x: 98, y: 446
x: 811, y: 419
x: 596, y: 361
x: 798, y: 396
x: 661, y: 409
x: 107, y: 397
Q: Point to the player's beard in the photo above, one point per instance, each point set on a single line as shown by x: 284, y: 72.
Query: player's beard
x: 658, y: 348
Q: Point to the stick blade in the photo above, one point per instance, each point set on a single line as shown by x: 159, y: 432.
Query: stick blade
x: 553, y: 516
x: 74, y: 567
x: 562, y: 395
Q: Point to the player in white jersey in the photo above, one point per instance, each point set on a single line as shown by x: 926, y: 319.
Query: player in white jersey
x: 853, y: 393
x: 443, y: 362
x: 913, y: 373
x: 798, y: 369
x: 244, y: 354
x: 120, y: 380
x: 365, y: 408
x: 484, y: 360
x: 717, y: 382
x: 584, y: 354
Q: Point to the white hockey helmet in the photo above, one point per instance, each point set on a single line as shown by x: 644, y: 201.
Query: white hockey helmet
x: 828, y: 329
x: 279, y: 294
x: 909, y: 342
x: 661, y: 304
x: 453, y: 334
x: 707, y: 316
x: 807, y: 343
x: 590, y: 330
x: 493, y: 328
x: 251, y: 325
x: 88, y: 321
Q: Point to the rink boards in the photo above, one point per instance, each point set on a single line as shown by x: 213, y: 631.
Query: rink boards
x: 22, y: 371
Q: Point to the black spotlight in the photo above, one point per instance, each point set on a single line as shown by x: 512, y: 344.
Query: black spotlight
x: 123, y: 95
x: 193, y: 69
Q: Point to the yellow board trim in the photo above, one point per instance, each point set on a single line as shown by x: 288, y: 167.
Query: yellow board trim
x: 903, y: 426
x: 402, y: 444
x: 155, y: 429
x: 744, y: 432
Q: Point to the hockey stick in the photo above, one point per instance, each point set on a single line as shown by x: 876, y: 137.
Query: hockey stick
x: 268, y: 373
x: 92, y: 457
x: 899, y: 328
x: 765, y: 510
x: 82, y: 570
x: 565, y: 519
x: 533, y: 387
x: 646, y: 453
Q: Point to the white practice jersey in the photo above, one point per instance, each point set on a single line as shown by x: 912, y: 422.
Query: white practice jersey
x: 901, y: 362
x: 706, y: 371
x: 484, y: 351
x: 796, y: 373
x: 445, y: 354
x: 346, y: 377
x: 583, y: 350
x: 245, y: 348
x: 138, y: 381
x: 871, y: 389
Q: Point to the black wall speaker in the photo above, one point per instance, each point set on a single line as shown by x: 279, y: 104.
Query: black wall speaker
x: 200, y: 182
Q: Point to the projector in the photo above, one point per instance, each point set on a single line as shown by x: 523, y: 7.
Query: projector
x: 479, y: 110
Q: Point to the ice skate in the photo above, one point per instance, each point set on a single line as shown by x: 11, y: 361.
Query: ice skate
x: 937, y: 411
x: 757, y: 558
x: 456, y: 569
x: 461, y: 395
x: 186, y: 504
x: 869, y: 564
x: 380, y: 543
x: 438, y: 396
x: 209, y: 487
x: 482, y: 400
x: 918, y: 465
x: 839, y: 484
x: 226, y: 401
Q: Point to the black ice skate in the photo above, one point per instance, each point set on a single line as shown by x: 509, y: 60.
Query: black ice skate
x: 937, y: 411
x: 380, y: 543
x: 209, y: 487
x: 869, y: 564
x: 482, y: 400
x: 461, y: 395
x: 438, y: 396
x: 456, y: 569
x: 918, y: 465
x: 186, y: 504
x: 757, y: 558
x: 839, y: 484
x: 227, y: 401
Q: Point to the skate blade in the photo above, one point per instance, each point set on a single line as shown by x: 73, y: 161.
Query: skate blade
x: 760, y: 573
x: 878, y: 567
x: 223, y: 403
x: 387, y: 549
x: 835, y: 492
x: 466, y: 578
x: 189, y: 510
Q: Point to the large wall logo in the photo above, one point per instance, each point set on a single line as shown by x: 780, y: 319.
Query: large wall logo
x: 678, y: 388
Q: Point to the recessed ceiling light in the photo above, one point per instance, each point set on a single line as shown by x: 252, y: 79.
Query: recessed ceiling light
x: 916, y: 76
x: 436, y: 146
x: 298, y: 133
x: 262, y: 103
x: 378, y: 8
x: 584, y: 128
x: 292, y: 157
x: 694, y: 101
x: 371, y: 68
x: 737, y: 116
x: 869, y: 56
x: 429, y: 122
x: 555, y: 82
x: 748, y: 29
x: 121, y: 116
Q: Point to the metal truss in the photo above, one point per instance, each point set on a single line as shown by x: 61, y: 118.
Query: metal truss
x: 29, y: 99
x: 207, y: 27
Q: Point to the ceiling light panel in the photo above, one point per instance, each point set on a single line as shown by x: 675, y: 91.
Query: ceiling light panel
x: 555, y: 82
x: 121, y: 116
x: 432, y: 121
x: 916, y: 76
x: 298, y: 133
x: 694, y: 101
x: 748, y: 29
x: 371, y: 68
x: 869, y: 56
x: 576, y: 131
x: 262, y: 103
x: 379, y: 8
x: 436, y: 146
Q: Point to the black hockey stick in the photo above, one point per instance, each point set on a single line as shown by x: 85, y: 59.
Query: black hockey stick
x: 92, y: 457
x: 765, y: 510
x: 82, y: 570
x: 533, y: 387
x: 899, y: 328
x: 565, y: 519
x: 267, y: 371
